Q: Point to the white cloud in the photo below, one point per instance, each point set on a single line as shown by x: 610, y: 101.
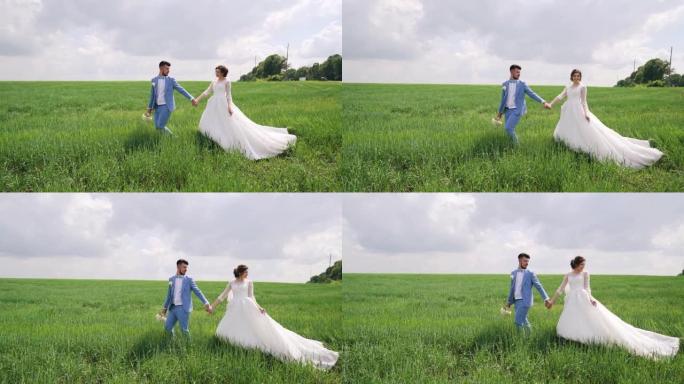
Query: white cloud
x: 81, y: 39
x: 437, y: 41
x: 282, y: 237
x: 483, y: 233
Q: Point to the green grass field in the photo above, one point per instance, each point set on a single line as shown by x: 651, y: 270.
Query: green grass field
x: 86, y: 331
x: 89, y: 136
x: 447, y: 329
x: 404, y: 138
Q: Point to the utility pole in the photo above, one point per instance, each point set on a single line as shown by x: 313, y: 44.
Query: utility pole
x: 669, y: 68
x: 287, y: 56
x: 330, y: 260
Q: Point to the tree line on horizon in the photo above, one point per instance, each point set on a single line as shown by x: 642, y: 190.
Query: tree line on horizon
x: 276, y: 68
x: 654, y: 73
x: 332, y: 273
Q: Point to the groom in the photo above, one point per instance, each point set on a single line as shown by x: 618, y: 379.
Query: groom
x: 520, y: 293
x: 161, y: 97
x: 513, y: 103
x: 178, y: 303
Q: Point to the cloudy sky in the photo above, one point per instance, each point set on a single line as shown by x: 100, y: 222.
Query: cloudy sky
x: 281, y: 237
x: 483, y: 233
x: 456, y: 41
x: 126, y: 39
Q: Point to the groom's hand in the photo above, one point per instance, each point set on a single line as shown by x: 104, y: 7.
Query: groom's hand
x: 547, y: 105
x: 548, y: 304
x: 194, y: 102
x: 208, y: 308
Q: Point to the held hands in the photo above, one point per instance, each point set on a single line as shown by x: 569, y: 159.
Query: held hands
x: 208, y: 308
x: 547, y: 105
x: 194, y: 102
x: 548, y: 304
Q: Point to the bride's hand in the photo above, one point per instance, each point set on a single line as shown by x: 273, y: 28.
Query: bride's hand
x: 587, y: 117
x: 593, y: 302
x: 263, y: 311
x: 230, y: 111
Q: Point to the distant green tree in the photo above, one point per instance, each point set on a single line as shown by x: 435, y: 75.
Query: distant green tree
x: 652, y: 74
x: 332, y: 273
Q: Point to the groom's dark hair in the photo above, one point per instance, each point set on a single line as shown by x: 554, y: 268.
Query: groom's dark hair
x: 514, y: 66
x: 181, y: 261
x: 525, y: 255
x: 163, y: 63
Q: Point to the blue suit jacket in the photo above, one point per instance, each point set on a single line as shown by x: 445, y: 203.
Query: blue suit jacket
x: 169, y: 87
x: 520, y: 91
x: 529, y: 280
x: 188, y: 285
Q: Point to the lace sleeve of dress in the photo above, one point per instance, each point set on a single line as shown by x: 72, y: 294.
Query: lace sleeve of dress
x: 250, y: 290
x: 587, y: 287
x: 561, y: 289
x: 209, y: 90
x: 561, y: 96
x: 583, y: 99
x: 229, y: 96
x: 224, y: 295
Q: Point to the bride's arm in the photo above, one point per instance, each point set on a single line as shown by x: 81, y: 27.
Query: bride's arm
x: 250, y: 293
x: 588, y: 288
x: 560, y: 97
x: 206, y: 93
x: 229, y: 97
x: 222, y: 297
x: 560, y: 289
x: 583, y: 100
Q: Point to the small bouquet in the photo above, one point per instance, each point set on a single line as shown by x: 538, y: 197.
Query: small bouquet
x: 496, y: 122
x: 147, y: 117
x: 505, y: 311
x: 160, y: 317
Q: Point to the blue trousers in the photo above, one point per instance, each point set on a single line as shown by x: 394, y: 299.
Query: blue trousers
x: 521, y: 316
x: 512, y: 119
x: 161, y: 116
x: 177, y: 314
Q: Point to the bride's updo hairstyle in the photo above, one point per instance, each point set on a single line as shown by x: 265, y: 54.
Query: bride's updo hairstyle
x: 573, y: 73
x: 223, y: 69
x: 574, y: 263
x: 239, y: 270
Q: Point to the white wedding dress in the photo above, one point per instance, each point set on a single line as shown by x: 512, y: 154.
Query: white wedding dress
x: 582, y: 322
x: 596, y: 139
x: 237, y: 131
x: 244, y: 325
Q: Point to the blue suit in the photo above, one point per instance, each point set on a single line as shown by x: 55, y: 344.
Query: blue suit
x: 162, y: 113
x: 513, y: 115
x: 522, y: 305
x: 181, y: 313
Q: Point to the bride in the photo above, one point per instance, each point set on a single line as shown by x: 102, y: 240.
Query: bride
x: 223, y: 122
x: 248, y: 325
x: 586, y: 320
x: 582, y: 131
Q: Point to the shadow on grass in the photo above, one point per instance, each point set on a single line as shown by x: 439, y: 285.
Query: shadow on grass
x: 490, y: 145
x: 142, y: 140
x: 502, y: 339
x: 148, y: 345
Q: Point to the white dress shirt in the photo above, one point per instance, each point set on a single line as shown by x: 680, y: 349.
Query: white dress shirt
x: 518, y: 284
x: 177, y: 300
x: 510, y: 100
x: 161, y: 87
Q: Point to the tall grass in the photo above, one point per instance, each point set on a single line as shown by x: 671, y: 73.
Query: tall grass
x: 71, y: 331
x: 403, y: 138
x: 447, y: 328
x: 89, y: 136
